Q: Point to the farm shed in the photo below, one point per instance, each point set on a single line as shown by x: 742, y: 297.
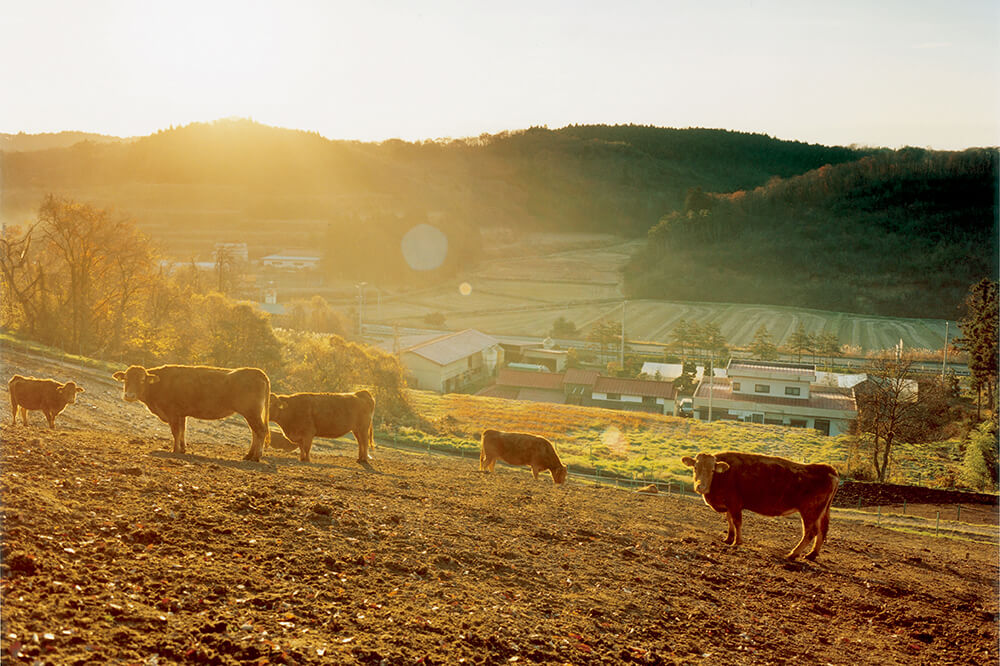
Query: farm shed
x: 451, y: 362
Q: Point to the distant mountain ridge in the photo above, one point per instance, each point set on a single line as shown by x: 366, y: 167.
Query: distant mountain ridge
x: 22, y: 141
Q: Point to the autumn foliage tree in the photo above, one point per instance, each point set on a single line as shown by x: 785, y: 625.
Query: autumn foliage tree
x: 74, y: 276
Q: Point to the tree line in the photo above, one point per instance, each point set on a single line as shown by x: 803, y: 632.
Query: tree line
x: 85, y: 280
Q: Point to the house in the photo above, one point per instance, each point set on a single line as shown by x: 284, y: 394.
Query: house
x: 776, y: 393
x: 668, y: 372
x: 292, y: 259
x: 535, y: 353
x: 451, y: 362
x: 583, y: 387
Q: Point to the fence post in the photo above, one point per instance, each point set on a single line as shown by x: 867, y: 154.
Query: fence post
x: 904, y: 506
x: 937, y: 523
x: 879, y: 521
x: 959, y: 517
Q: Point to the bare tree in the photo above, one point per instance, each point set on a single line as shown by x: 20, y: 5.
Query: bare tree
x: 889, y: 410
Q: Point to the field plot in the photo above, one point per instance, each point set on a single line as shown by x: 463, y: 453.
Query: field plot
x: 525, y: 292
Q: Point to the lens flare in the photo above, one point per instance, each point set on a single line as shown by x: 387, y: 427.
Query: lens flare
x: 424, y: 247
x: 614, y: 439
x: 465, y: 289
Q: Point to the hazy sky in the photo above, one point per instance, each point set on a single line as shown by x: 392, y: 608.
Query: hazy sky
x: 886, y: 73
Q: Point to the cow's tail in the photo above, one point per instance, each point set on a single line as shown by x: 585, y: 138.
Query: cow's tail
x: 267, y: 410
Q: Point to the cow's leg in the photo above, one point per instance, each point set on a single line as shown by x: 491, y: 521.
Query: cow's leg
x: 24, y: 415
x: 363, y: 436
x: 177, y: 427
x: 50, y: 416
x: 13, y: 410
x: 482, y: 460
x: 258, y: 435
x: 822, y: 527
x: 810, y: 531
x: 735, y: 518
x: 305, y: 445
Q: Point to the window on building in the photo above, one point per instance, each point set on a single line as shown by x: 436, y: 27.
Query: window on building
x: 793, y: 390
x: 756, y: 418
x: 736, y: 386
x: 797, y: 423
x: 614, y: 396
x: 761, y: 388
x: 648, y: 400
x: 823, y: 426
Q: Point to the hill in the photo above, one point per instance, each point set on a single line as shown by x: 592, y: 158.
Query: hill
x: 22, y: 142
x: 874, y: 231
x: 900, y: 233
x: 115, y: 549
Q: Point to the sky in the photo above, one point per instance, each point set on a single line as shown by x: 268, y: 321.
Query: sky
x: 889, y: 73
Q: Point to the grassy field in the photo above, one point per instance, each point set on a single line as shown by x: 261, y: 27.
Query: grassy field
x: 637, y: 443
x: 524, y: 292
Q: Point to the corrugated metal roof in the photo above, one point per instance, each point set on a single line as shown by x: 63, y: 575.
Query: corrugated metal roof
x: 530, y: 379
x: 578, y: 376
x: 641, y: 387
x: 453, y: 346
x: 820, y: 397
x: 735, y: 368
x: 541, y: 395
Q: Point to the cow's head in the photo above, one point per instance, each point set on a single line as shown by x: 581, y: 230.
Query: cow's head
x: 68, y: 392
x: 705, y: 467
x: 559, y: 474
x: 277, y: 405
x: 136, y: 380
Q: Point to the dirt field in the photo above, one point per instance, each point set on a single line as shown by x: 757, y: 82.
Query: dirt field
x: 115, y: 549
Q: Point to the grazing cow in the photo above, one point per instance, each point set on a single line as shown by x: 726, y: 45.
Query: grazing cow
x: 770, y: 486
x: 175, y: 392
x: 46, y: 395
x: 303, y: 416
x: 518, y: 448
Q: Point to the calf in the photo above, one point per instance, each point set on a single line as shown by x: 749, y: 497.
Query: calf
x: 303, y: 416
x: 46, y: 395
x: 518, y: 448
x: 175, y: 392
x: 770, y: 486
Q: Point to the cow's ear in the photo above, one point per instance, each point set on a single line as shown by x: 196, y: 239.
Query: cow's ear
x: 688, y: 460
x: 120, y: 376
x: 79, y: 389
x: 152, y: 379
x: 721, y: 467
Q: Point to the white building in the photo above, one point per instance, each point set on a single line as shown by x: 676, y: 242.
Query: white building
x: 452, y: 361
x: 776, y: 393
x: 292, y: 259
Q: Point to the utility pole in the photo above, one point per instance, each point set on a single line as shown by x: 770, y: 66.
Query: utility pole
x: 944, y: 361
x: 361, y: 307
x: 621, y: 351
x: 711, y: 373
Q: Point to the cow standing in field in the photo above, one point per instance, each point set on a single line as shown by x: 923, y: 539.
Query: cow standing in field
x: 45, y: 395
x: 770, y: 486
x: 175, y: 392
x: 518, y: 448
x: 303, y: 416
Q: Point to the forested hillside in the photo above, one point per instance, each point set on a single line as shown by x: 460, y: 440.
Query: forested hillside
x: 731, y: 216
x: 619, y: 179
x: 895, y: 233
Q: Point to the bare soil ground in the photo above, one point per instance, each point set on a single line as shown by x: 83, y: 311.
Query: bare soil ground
x: 115, y: 550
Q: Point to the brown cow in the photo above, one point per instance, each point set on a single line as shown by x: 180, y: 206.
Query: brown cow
x: 770, y: 486
x: 175, y: 392
x: 518, y: 448
x: 46, y: 395
x: 303, y: 416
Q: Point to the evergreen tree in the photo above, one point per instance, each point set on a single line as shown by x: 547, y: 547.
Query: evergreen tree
x: 979, y: 337
x: 762, y: 347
